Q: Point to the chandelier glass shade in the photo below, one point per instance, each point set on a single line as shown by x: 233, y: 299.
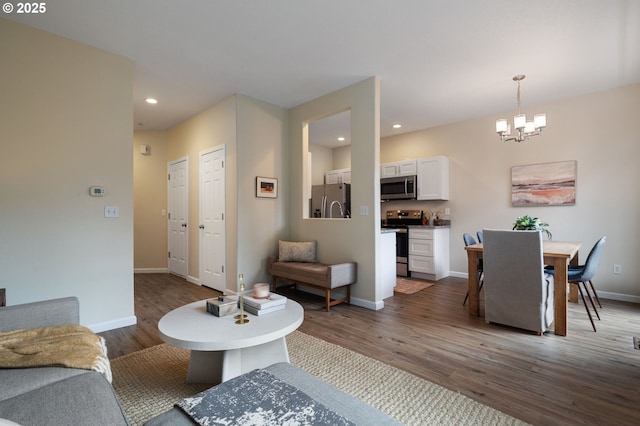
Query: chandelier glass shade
x: 523, y: 129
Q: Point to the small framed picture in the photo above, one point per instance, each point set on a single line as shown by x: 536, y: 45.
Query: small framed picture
x: 266, y: 187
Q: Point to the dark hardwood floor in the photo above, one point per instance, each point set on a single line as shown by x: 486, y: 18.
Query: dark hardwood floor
x: 584, y: 378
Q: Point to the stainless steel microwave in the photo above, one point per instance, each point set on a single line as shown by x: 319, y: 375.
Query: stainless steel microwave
x: 398, y: 188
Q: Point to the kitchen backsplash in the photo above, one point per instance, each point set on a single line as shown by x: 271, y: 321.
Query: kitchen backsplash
x: 425, y: 206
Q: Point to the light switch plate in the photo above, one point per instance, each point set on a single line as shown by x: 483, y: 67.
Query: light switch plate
x: 111, y: 211
x: 364, y: 210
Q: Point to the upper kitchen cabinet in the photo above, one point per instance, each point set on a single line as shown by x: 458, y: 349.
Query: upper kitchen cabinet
x: 337, y: 176
x: 398, y: 168
x: 433, y: 178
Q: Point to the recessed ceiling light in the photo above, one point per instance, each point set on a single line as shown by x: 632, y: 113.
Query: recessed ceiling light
x: 151, y: 101
x: 341, y: 138
x: 397, y: 126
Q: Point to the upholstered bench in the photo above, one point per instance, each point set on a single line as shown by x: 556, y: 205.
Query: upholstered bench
x: 297, y: 264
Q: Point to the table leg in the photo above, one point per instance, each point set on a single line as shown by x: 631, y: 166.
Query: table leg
x: 205, y: 367
x: 560, y: 296
x: 573, y: 290
x: 474, y: 303
x: 239, y: 361
x: 220, y: 366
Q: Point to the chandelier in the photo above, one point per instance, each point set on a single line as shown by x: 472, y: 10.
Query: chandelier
x: 524, y: 129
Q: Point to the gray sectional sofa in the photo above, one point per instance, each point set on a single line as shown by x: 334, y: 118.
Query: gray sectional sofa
x: 348, y: 409
x: 54, y: 395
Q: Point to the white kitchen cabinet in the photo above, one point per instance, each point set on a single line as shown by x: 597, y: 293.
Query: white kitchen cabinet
x: 337, y: 176
x: 398, y: 168
x: 433, y: 178
x: 429, y: 253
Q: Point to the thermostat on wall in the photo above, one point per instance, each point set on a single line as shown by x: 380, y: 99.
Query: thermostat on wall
x: 97, y: 191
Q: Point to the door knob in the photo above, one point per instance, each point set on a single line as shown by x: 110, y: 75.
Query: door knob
x: 184, y: 225
x: 201, y: 226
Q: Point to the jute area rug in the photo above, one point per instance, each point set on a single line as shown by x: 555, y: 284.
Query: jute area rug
x: 150, y: 381
x: 409, y: 286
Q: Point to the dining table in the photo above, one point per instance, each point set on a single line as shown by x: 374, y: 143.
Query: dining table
x: 558, y: 254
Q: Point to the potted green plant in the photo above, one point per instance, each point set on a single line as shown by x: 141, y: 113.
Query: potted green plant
x: 528, y: 223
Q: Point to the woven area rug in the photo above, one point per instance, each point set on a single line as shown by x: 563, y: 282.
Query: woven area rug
x: 150, y: 381
x: 409, y: 286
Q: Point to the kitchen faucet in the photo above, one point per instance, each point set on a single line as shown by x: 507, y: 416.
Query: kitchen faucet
x: 339, y: 206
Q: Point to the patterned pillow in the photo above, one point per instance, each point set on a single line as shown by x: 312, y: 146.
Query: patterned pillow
x: 290, y: 251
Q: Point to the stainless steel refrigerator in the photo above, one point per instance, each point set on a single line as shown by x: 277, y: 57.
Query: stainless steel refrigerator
x: 331, y: 200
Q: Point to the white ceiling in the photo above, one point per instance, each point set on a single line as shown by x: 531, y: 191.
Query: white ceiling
x: 439, y: 61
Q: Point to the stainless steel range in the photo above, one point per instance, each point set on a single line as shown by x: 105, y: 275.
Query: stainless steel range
x: 400, y: 220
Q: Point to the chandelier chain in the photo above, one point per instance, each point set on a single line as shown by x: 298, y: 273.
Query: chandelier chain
x: 518, y: 97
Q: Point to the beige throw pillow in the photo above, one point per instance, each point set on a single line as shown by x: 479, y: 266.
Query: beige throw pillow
x: 290, y: 251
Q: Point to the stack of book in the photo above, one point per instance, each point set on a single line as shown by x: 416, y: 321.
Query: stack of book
x: 255, y: 306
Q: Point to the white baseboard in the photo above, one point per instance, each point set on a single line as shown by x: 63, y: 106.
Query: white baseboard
x: 459, y: 275
x: 112, y: 325
x: 193, y: 280
x: 150, y: 270
x: 618, y: 296
x: 363, y: 303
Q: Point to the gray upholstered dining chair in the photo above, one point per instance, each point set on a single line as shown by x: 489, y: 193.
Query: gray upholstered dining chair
x: 581, y: 275
x: 469, y: 241
x: 518, y: 293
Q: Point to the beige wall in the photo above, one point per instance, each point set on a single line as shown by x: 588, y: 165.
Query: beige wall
x: 342, y: 157
x: 213, y: 127
x: 66, y: 125
x: 599, y: 130
x: 339, y: 240
x: 254, y: 134
x: 321, y: 161
x: 150, y: 202
x: 324, y: 159
x: 262, y: 151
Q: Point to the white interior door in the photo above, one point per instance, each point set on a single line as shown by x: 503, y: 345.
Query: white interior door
x: 212, y: 219
x: 177, y: 216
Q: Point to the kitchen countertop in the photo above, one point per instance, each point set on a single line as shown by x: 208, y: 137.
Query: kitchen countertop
x: 387, y: 230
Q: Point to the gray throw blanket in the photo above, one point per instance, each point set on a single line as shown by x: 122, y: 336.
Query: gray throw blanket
x: 258, y: 398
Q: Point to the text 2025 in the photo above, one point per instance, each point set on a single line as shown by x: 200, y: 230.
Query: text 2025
x: 31, y: 7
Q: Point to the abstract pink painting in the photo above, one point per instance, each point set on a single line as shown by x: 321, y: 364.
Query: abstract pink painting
x: 547, y: 184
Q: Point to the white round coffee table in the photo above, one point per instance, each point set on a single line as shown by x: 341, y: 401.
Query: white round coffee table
x: 222, y: 349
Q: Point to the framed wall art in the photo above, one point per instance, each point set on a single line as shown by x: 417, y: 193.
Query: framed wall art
x: 546, y: 184
x: 266, y: 187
